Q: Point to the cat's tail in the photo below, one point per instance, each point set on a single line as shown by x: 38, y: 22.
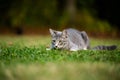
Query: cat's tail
x: 102, y: 47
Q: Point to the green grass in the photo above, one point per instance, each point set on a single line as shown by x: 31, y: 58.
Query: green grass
x: 26, y: 58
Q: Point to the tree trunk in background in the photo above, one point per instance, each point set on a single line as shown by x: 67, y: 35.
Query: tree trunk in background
x: 71, y: 10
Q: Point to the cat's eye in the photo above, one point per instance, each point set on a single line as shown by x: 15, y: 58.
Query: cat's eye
x: 60, y: 41
x: 53, y: 40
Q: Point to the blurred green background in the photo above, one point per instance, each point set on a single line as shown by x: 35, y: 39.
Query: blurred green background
x: 96, y: 17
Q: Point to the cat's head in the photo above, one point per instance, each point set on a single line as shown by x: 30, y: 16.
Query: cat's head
x: 59, y: 39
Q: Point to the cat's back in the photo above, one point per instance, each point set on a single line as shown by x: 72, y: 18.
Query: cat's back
x: 74, y: 35
x: 73, y: 32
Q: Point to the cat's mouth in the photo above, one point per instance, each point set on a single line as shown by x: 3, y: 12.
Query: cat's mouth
x: 58, y: 48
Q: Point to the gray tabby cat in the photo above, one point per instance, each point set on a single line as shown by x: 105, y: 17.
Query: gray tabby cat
x: 73, y: 40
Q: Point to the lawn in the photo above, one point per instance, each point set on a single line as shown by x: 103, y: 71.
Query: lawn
x: 26, y: 58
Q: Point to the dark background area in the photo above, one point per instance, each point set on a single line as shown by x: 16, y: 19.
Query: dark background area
x: 37, y: 16
x: 109, y: 10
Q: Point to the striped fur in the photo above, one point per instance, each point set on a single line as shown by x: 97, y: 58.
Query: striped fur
x: 73, y: 40
x: 102, y: 47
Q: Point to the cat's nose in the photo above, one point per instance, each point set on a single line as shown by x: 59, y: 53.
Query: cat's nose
x: 55, y: 46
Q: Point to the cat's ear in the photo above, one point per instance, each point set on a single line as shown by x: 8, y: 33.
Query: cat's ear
x: 64, y: 34
x: 52, y: 32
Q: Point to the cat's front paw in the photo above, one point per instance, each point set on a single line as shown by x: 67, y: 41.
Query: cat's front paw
x: 73, y: 50
x: 48, y: 48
